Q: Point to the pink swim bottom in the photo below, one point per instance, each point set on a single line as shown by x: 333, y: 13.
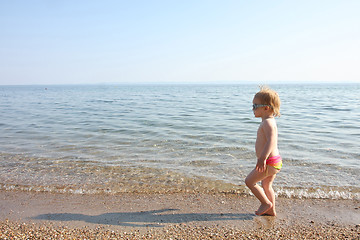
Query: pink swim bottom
x: 275, y: 161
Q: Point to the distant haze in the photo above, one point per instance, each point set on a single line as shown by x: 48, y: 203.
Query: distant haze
x: 87, y: 42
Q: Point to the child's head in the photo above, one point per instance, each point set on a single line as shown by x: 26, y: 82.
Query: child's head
x: 268, y: 96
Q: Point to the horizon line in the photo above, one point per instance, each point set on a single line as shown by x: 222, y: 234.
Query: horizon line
x: 189, y: 83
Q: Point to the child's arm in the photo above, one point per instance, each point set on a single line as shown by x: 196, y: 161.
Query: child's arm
x: 269, y: 129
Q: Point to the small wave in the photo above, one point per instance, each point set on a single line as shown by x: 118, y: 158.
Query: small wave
x: 201, y: 163
x: 188, y: 185
x: 102, y: 101
x: 337, y: 109
x: 325, y: 193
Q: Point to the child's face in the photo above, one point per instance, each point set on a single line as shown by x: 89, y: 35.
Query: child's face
x: 256, y: 111
x: 259, y: 111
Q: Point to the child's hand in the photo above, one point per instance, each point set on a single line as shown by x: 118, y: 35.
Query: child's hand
x: 260, y: 166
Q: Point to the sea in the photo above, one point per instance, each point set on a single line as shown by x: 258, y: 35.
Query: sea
x: 166, y: 138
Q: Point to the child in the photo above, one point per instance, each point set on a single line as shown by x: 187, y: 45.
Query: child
x: 266, y: 104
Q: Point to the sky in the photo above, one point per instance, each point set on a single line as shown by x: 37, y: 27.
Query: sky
x: 188, y: 41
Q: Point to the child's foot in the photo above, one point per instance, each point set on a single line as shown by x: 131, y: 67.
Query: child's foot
x: 270, y: 212
x: 264, y: 207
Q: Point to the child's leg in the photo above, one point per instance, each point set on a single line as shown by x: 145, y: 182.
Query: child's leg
x: 251, y: 181
x: 269, y: 191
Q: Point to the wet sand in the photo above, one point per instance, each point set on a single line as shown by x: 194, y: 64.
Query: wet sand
x: 173, y: 215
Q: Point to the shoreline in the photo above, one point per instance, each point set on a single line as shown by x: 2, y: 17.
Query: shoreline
x: 166, y: 214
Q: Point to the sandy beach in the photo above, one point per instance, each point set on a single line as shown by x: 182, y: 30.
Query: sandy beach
x: 172, y: 216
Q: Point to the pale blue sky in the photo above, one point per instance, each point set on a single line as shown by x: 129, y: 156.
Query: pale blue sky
x: 62, y: 42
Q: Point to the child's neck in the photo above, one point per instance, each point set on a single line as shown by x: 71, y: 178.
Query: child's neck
x: 267, y: 117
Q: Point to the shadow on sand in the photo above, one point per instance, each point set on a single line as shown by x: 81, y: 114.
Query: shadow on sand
x: 145, y: 218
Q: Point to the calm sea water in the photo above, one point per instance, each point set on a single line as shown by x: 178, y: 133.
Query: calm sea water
x: 168, y: 138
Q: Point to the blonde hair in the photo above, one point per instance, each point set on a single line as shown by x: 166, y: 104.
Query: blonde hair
x: 268, y: 96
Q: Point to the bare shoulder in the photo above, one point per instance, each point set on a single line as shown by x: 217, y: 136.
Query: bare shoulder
x: 269, y: 123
